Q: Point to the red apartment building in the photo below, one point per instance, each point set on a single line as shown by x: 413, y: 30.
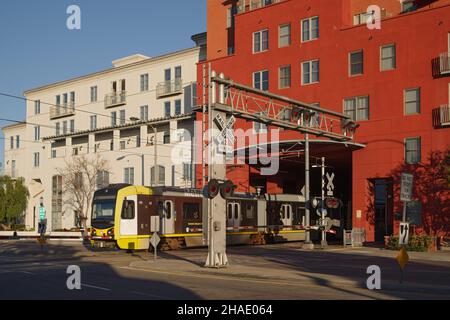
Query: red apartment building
x: 394, y: 81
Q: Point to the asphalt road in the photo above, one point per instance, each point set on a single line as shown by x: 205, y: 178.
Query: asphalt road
x: 26, y: 272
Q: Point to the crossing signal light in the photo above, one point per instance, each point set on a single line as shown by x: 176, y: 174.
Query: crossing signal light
x: 333, y: 203
x: 349, y: 127
x: 214, y: 187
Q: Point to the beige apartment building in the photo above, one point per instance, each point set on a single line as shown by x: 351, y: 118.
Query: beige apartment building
x: 136, y: 115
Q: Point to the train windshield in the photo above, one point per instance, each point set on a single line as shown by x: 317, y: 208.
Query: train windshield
x: 103, y: 210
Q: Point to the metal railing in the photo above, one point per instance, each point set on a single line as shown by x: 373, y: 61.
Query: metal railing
x: 115, y: 99
x: 441, y: 116
x: 167, y: 88
x: 444, y: 62
x: 62, y: 110
x: 249, y: 5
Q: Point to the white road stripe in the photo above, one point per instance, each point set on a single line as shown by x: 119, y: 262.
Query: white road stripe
x: 95, y: 287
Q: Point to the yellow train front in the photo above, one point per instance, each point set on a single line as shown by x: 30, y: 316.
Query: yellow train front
x: 122, y: 216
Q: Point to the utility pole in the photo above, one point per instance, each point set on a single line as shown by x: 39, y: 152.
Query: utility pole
x: 322, y: 213
x: 308, y: 244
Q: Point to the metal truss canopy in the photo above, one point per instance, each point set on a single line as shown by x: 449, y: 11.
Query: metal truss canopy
x: 279, y: 111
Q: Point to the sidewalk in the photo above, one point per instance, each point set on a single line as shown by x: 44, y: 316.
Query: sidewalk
x: 308, y: 270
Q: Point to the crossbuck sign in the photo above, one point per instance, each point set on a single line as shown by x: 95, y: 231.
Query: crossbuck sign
x: 330, y: 184
x: 226, y: 138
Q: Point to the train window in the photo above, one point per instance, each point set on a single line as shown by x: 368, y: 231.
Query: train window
x: 160, y: 208
x: 168, y: 209
x: 249, y: 211
x: 283, y: 212
x: 128, y: 210
x: 191, y: 211
x: 288, y: 209
x: 230, y: 211
x: 236, y: 211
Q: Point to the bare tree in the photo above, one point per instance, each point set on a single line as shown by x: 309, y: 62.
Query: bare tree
x: 80, y: 182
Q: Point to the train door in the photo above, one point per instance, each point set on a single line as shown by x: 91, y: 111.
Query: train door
x: 167, y: 217
x: 286, y: 214
x: 234, y: 215
x: 128, y: 217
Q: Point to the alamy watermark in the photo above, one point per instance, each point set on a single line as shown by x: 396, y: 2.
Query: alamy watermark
x: 74, y: 20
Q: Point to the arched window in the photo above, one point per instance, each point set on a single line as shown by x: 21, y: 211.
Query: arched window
x: 161, y: 176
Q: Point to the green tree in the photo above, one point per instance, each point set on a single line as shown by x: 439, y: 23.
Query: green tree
x: 13, y: 199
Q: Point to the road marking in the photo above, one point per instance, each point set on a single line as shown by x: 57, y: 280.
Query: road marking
x: 151, y: 295
x: 95, y: 287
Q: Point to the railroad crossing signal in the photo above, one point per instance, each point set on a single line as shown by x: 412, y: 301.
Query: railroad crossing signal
x: 214, y: 187
x: 330, y: 185
x: 226, y: 138
x: 404, y: 233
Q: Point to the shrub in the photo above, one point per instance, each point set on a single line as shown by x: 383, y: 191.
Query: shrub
x: 416, y: 243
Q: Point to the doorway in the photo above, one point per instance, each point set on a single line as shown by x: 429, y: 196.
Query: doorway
x: 383, y: 206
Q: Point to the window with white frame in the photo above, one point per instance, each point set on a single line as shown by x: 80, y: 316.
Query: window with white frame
x: 17, y: 142
x: 58, y: 128
x: 310, y: 72
x: 37, y: 133
x: 284, y: 36
x: 36, y: 160
x: 310, y: 29
x: 64, y: 127
x: 144, y: 82
x: 144, y: 113
x: 122, y: 117
x: 412, y: 101
x: 261, y: 80
x: 177, y: 107
x: 102, y: 180
x: 167, y: 108
x: 388, y: 57
x: 11, y: 142
x: 363, y: 18
x: 72, y: 126
x: 284, y: 77
x: 412, y: 150
x: 356, y: 63
x: 128, y: 175
x: 37, y: 107
x: 357, y: 108
x: 93, y: 122
x: 161, y: 175
x: 261, y: 41
x: 187, y: 171
x: 113, y: 118
x: 94, y: 94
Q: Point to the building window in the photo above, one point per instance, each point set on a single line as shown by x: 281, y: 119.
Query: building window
x: 284, y: 77
x: 161, y: 175
x: 408, y: 6
x: 310, y: 29
x: 72, y: 98
x: 11, y: 142
x: 187, y: 171
x: 412, y: 150
x: 37, y: 107
x: 94, y: 94
x: 102, y: 179
x: 37, y: 133
x: 58, y: 100
x: 113, y: 119
x: 122, y: 117
x: 357, y: 108
x: 388, y: 57
x: 17, y: 142
x: 72, y: 126
x: 310, y: 72
x: 231, y: 11
x: 178, y: 74
x: 64, y: 127
x: 93, y: 122
x: 177, y: 107
x: 412, y: 101
x: 123, y: 145
x: 128, y: 176
x: 36, y: 159
x: 362, y: 18
x: 356, y: 63
x: 144, y: 113
x: 261, y: 80
x: 58, y: 128
x: 53, y: 154
x: 284, y: 37
x: 261, y: 41
x: 167, y: 109
x: 144, y: 82
x: 166, y: 138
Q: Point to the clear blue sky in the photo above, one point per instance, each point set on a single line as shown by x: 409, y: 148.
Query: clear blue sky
x: 36, y: 48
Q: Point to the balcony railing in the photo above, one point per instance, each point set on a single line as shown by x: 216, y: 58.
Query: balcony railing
x: 63, y: 110
x: 441, y: 116
x: 444, y: 63
x: 115, y: 99
x: 249, y: 5
x: 168, y: 88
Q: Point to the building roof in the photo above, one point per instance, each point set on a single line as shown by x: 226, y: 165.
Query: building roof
x: 119, y: 67
x: 14, y: 125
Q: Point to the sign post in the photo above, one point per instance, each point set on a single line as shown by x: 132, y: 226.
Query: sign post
x: 154, y: 227
x: 406, y: 191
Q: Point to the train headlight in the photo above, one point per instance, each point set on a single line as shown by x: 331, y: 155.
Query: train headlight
x: 110, y: 232
x: 93, y: 232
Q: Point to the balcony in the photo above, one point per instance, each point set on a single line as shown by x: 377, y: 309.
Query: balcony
x: 250, y: 5
x: 61, y: 111
x: 441, y: 116
x: 115, y: 99
x: 168, y: 88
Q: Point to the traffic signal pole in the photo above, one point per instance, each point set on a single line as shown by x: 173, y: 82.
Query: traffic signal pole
x: 308, y: 243
x: 324, y: 233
